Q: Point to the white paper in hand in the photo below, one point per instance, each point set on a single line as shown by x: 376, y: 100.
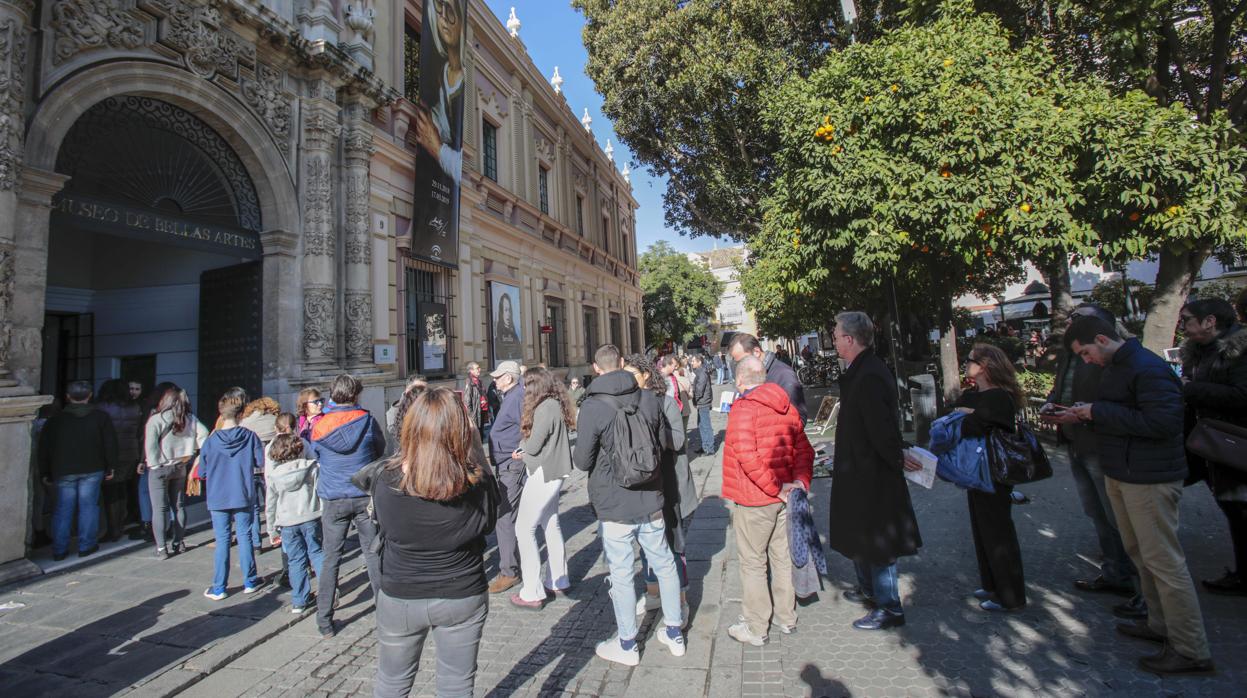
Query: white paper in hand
x: 926, y: 476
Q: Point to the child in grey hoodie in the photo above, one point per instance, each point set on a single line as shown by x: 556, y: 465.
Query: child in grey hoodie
x: 293, y: 508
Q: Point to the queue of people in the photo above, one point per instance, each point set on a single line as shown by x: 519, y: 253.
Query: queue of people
x: 452, y: 467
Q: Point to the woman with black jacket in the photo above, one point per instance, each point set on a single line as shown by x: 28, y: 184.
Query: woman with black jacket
x: 993, y: 404
x: 435, y: 501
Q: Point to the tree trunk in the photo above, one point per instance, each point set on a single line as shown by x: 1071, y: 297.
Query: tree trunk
x: 1056, y: 276
x: 950, y: 366
x: 1174, y: 277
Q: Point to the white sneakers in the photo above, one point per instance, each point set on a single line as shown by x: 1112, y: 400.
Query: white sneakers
x: 612, y: 651
x: 741, y: 633
x: 215, y: 597
x: 648, y: 603
x: 675, y: 644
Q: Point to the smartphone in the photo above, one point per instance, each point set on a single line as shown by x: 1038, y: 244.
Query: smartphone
x: 1055, y: 409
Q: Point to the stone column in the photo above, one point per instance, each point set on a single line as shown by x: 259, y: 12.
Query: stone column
x: 357, y: 292
x: 281, y: 309
x: 320, y: 239
x: 317, y: 22
x: 14, y: 27
x: 23, y: 280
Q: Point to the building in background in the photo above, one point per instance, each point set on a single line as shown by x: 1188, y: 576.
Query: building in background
x: 220, y: 193
x: 731, y: 315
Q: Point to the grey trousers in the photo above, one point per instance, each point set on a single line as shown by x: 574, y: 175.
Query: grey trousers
x: 167, y: 487
x: 511, y: 477
x: 1084, y: 465
x: 336, y: 518
x: 402, y: 627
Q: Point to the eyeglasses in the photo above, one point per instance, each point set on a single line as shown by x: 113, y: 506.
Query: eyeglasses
x: 317, y: 401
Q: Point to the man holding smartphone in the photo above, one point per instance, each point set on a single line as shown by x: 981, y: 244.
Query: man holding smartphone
x: 1078, y: 382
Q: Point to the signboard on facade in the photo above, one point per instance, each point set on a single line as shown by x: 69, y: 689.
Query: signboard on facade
x: 505, y: 322
x: 111, y: 218
x: 432, y: 338
x: 439, y: 132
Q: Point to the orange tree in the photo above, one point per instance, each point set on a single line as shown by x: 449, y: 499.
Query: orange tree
x: 937, y: 155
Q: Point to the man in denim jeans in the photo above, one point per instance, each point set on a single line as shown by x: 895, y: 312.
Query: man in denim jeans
x: 1078, y: 381
x: 77, y: 452
x: 626, y: 514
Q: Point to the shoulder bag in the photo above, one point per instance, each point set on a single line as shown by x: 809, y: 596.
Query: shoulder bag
x: 1017, y: 457
x: 1219, y: 442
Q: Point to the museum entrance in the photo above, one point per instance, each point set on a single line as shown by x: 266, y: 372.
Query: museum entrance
x: 154, y: 270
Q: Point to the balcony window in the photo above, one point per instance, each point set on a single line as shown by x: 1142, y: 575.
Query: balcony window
x: 489, y: 148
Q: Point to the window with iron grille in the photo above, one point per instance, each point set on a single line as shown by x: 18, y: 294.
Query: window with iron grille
x: 543, y: 188
x: 489, y: 148
x: 580, y: 215
x: 591, y: 332
x: 634, y: 333
x: 556, y: 339
x: 426, y: 290
x: 616, y: 331
x: 606, y: 234
x: 411, y: 65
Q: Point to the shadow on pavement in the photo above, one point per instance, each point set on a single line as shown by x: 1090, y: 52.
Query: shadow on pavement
x: 107, y: 655
x: 823, y: 686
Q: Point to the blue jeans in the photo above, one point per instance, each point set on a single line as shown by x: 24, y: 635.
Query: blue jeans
x: 145, y: 499
x: 650, y: 532
x: 242, y: 520
x: 880, y: 583
x: 301, y: 543
x: 705, y: 430
x: 1089, y: 480
x: 718, y: 376
x: 81, y: 493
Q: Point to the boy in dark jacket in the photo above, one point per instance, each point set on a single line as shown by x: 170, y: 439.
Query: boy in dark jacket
x: 228, y: 461
x: 1138, y: 419
x: 626, y: 514
x: 77, y: 453
x: 346, y: 439
x: 703, y: 395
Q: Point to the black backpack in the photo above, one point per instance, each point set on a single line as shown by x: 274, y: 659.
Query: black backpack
x: 633, y: 452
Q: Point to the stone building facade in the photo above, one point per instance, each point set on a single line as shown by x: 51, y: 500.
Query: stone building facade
x: 214, y: 193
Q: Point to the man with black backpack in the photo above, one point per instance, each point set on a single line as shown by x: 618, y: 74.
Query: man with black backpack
x: 617, y: 444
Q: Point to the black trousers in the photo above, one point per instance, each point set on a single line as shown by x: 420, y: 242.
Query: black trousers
x: 996, y: 545
x: 1236, y: 514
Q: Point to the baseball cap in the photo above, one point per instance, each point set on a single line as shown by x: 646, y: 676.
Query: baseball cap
x: 512, y: 367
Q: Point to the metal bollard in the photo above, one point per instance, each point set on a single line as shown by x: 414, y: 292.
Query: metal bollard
x: 922, y: 400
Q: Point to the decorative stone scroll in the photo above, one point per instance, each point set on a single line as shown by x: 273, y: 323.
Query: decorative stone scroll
x: 84, y: 25
x: 265, y: 96
x: 318, y: 237
x: 358, y: 326
x: 12, y: 97
x: 196, y: 31
x: 319, y: 341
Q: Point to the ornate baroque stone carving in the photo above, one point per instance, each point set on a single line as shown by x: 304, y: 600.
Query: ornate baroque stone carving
x: 359, y: 326
x: 12, y: 94
x: 356, y: 229
x: 265, y: 95
x: 320, y: 132
x: 318, y: 237
x: 6, y: 301
x: 83, y: 25
x: 207, y: 47
x: 318, y: 319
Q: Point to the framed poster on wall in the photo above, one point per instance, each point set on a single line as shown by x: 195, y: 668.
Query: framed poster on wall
x: 432, y: 338
x: 505, y: 321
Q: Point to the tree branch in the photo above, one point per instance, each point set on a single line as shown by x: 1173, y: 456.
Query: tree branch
x: 1179, y: 61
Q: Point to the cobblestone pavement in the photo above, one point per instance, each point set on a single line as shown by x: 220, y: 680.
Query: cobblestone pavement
x: 131, y: 620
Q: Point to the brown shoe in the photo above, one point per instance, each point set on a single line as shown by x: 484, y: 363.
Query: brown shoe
x: 1140, y: 631
x: 501, y: 583
x: 1170, y: 662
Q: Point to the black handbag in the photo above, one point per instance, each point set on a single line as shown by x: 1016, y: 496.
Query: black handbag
x: 1219, y: 442
x: 1017, y: 457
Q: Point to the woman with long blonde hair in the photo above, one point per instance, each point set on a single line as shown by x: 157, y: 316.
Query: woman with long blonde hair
x: 435, y: 501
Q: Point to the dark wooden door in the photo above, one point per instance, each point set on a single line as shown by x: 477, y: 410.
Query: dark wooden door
x: 230, y: 312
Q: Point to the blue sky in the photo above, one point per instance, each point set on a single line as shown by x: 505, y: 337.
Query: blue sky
x: 550, y: 30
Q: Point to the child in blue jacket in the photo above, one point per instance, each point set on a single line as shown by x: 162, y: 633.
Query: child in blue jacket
x: 229, y: 459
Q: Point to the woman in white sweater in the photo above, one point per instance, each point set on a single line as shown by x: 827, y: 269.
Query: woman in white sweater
x: 171, y: 440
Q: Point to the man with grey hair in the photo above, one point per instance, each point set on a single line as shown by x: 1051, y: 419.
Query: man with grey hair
x: 777, y: 372
x: 765, y: 454
x: 504, y: 438
x: 872, y: 519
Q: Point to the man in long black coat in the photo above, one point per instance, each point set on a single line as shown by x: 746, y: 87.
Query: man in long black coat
x: 872, y: 519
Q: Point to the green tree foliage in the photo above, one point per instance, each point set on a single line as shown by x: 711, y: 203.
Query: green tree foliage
x: 678, y: 294
x: 683, y: 84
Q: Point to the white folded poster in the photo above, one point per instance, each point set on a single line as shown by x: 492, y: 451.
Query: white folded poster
x: 926, y: 476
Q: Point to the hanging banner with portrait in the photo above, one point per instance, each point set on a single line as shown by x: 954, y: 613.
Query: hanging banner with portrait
x: 505, y: 322
x: 432, y: 338
x: 439, y: 132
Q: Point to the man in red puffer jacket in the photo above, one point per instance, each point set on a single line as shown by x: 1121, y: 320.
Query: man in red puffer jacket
x: 765, y: 454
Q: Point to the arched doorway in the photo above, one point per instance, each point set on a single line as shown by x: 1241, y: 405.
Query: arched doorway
x: 154, y: 268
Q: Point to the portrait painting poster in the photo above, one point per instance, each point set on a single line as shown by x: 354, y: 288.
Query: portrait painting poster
x: 505, y: 318
x: 439, y: 132
x: 432, y: 337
